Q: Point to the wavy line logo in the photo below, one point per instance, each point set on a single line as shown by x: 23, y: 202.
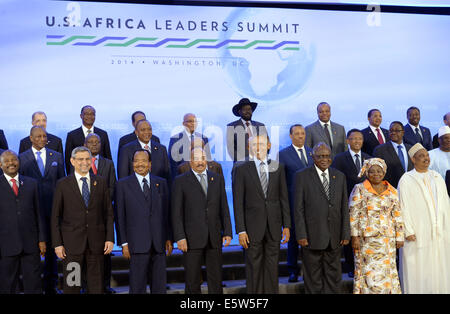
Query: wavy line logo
x: 154, y: 42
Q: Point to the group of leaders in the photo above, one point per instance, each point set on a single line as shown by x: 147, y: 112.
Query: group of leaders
x: 369, y: 191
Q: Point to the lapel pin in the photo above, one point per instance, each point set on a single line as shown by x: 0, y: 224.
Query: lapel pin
x: 51, y: 154
x: 95, y: 183
x: 21, y: 182
x: 334, y: 177
x: 212, y: 179
x: 157, y: 185
x: 155, y: 148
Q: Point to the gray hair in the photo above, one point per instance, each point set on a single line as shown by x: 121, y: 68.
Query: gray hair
x: 8, y: 151
x: 38, y: 112
x: 91, y: 135
x: 80, y: 149
x: 319, y: 146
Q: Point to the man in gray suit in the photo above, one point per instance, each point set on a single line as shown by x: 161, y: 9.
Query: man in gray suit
x: 322, y: 223
x: 323, y: 130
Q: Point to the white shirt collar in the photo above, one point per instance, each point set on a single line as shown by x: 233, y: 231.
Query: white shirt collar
x: 244, y: 122
x: 85, y: 129
x: 43, y: 151
x: 198, y: 174
x: 319, y: 172
x: 140, y: 178
x: 188, y: 134
x: 8, y: 178
x: 79, y: 176
x: 414, y: 127
x: 374, y: 129
x: 352, y: 153
x: 297, y: 148
x: 143, y: 144
x: 323, y: 123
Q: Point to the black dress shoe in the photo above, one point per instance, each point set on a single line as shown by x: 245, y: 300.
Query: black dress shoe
x: 351, y: 274
x: 109, y: 290
x: 52, y: 291
x: 293, y: 278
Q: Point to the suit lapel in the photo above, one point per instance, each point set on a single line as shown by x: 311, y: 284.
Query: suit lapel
x: 30, y: 155
x: 351, y: 162
x: 136, y: 186
x: 76, y: 190
x: 194, y: 181
x: 273, y: 168
x: 101, y: 165
x: 211, y: 182
x: 93, y: 191
x: 5, y: 185
x: 48, y: 162
x: 318, y: 180
x: 321, y: 131
x: 332, y: 182
x: 295, y: 157
x: 254, y: 173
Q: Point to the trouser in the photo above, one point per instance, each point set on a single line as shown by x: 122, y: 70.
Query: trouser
x: 145, y: 265
x: 29, y: 265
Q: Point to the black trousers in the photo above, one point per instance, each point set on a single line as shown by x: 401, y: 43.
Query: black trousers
x: 193, y: 260
x: 322, y: 270
x: 10, y: 268
x: 148, y: 265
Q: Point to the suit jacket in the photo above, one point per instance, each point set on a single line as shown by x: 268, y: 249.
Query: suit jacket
x: 345, y: 164
x: 53, y: 142
x: 76, y: 138
x: 371, y: 140
x: 317, y: 219
x: 435, y: 141
x: 237, y: 138
x: 292, y: 163
x: 124, y: 140
x: 252, y: 210
x: 106, y: 170
x: 160, y: 160
x: 411, y: 139
x: 315, y: 134
x: 394, y: 167
x: 212, y: 166
x: 74, y: 224
x: 3, y: 141
x: 20, y: 223
x: 53, y: 171
x: 197, y: 217
x: 1, y: 152
x: 447, y: 181
x: 140, y: 222
x: 177, y: 153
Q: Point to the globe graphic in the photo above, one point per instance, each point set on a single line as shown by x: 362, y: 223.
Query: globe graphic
x: 264, y: 75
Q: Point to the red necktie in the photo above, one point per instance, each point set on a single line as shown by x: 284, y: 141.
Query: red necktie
x: 94, y: 168
x: 15, y: 187
x: 380, y: 138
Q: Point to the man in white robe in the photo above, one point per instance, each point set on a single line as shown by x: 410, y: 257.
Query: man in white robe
x: 425, y: 204
x: 440, y: 157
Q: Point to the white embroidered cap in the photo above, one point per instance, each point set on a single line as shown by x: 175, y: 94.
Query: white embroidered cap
x: 415, y: 149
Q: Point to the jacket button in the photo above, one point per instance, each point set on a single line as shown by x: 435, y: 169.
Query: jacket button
x: 87, y: 225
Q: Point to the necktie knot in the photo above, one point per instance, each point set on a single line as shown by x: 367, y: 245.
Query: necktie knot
x: 84, y: 179
x: 146, y: 147
x: 89, y: 131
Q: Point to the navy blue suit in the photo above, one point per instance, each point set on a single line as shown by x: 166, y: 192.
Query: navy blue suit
x: 20, y: 231
x: 144, y: 225
x: 411, y: 138
x: 292, y: 163
x: 3, y: 141
x: 53, y: 171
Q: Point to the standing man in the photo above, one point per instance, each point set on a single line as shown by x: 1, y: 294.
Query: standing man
x: 239, y: 131
x: 426, y: 211
x: 201, y: 223
x: 39, y: 118
x: 415, y: 133
x: 211, y: 165
x: 294, y: 158
x: 160, y: 160
x: 142, y: 202
x: 76, y: 137
x: 22, y: 237
x: 180, y: 145
x: 322, y: 222
x: 349, y: 163
x: 82, y: 224
x: 436, y: 136
x: 46, y: 166
x: 395, y: 154
x: 440, y: 157
x: 261, y: 214
x: 105, y: 169
x: 374, y: 135
x: 323, y: 130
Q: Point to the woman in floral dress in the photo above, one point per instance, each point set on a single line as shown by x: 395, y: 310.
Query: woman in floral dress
x: 377, y: 231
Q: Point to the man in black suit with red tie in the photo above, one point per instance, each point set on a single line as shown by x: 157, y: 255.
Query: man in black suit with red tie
x: 201, y: 223
x: 76, y: 137
x: 374, y: 135
x: 54, y: 143
x: 3, y: 141
x: 22, y: 236
x: 82, y: 224
x: 47, y: 167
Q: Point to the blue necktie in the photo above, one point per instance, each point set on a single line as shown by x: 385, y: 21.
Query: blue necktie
x: 146, y: 189
x: 302, y: 157
x: 40, y: 163
x: 419, y: 138
x: 85, y: 191
x: 400, y: 155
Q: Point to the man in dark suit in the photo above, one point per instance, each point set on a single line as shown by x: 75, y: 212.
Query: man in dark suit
x: 76, y: 137
x: 142, y: 202
x: 294, y: 157
x: 160, y: 160
x: 82, y: 224
x: 323, y: 130
x: 54, y: 143
x: 415, y: 133
x: 436, y: 137
x: 397, y: 164
x: 261, y: 214
x: 350, y: 163
x: 447, y: 181
x: 105, y: 169
x: 22, y: 236
x: 3, y: 141
x: 322, y: 221
x: 135, y: 118
x: 47, y: 167
x: 374, y: 135
x: 239, y: 131
x: 180, y: 145
x: 201, y: 223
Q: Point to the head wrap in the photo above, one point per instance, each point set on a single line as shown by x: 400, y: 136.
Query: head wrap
x: 368, y: 163
x: 413, y: 150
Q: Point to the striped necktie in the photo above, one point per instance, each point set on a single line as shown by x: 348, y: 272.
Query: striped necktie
x: 326, y: 185
x: 85, y: 191
x: 263, y: 177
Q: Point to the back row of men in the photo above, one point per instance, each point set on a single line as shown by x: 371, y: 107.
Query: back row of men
x: 145, y: 236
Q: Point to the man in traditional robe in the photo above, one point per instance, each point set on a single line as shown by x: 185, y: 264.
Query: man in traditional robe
x: 426, y: 211
x: 440, y: 157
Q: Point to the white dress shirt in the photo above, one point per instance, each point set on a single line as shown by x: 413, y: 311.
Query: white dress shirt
x: 43, y: 154
x: 8, y: 178
x: 198, y: 176
x: 141, y: 179
x: 258, y: 163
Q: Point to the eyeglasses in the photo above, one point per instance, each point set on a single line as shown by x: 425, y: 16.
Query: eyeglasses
x: 82, y: 159
x: 322, y: 156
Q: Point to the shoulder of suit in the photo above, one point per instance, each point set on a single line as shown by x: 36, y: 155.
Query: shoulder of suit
x: 98, y: 130
x: 157, y: 179
x: 234, y: 123
x: 336, y: 172
x: 336, y: 124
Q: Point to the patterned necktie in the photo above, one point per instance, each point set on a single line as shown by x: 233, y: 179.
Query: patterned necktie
x: 326, y: 185
x: 418, y: 136
x: 94, y: 168
x: 327, y: 134
x: 358, y: 163
x: 249, y: 129
x: 380, y: 138
x: 89, y: 131
x: 302, y: 157
x: 15, y: 187
x: 400, y: 156
x: 147, y: 147
x: 146, y: 189
x: 85, y: 191
x: 203, y: 183
x: 40, y: 163
x: 263, y: 177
